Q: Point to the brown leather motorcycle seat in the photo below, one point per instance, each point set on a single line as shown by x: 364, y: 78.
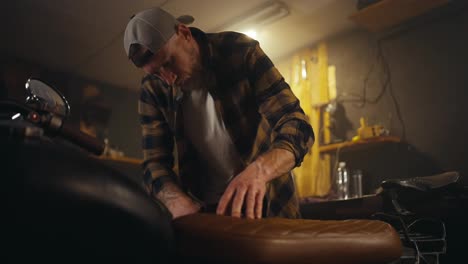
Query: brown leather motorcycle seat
x: 221, y: 239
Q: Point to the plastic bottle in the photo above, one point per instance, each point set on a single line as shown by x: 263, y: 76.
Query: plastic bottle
x: 355, y: 187
x: 342, y: 181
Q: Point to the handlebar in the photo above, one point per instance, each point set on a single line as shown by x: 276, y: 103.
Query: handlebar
x: 50, y: 122
x: 12, y: 105
x: 90, y: 143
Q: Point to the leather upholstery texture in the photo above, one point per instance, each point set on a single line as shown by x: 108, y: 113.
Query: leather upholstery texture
x: 223, y: 239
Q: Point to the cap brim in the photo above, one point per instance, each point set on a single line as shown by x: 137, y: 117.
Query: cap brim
x: 186, y: 19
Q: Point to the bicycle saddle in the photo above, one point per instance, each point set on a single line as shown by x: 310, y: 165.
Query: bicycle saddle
x: 425, y: 183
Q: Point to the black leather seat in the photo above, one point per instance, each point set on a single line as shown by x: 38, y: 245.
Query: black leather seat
x: 60, y: 202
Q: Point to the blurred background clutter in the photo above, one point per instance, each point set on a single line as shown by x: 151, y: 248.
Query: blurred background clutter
x: 383, y: 82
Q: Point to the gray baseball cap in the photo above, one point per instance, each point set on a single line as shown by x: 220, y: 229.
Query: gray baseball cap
x: 152, y: 28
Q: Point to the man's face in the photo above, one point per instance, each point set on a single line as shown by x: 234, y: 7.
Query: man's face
x: 175, y: 62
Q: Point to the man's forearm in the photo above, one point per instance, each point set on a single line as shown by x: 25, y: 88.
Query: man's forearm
x: 169, y: 193
x: 275, y: 163
x: 178, y: 202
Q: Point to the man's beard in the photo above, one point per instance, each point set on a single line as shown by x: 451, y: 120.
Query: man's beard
x: 195, y: 75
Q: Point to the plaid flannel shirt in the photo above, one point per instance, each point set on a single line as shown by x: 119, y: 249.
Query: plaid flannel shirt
x: 259, y: 110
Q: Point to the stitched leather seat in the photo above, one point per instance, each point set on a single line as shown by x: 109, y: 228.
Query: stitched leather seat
x: 222, y: 239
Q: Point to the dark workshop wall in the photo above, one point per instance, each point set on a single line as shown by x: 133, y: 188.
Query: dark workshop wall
x: 123, y: 129
x: 124, y: 125
x: 427, y: 62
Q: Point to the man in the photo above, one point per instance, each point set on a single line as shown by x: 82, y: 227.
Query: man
x: 237, y: 127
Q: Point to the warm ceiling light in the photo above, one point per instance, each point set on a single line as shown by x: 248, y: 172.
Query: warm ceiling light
x: 251, y: 33
x: 262, y: 15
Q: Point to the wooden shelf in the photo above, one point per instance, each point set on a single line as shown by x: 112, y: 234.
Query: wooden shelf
x: 388, y: 13
x: 353, y: 145
x: 123, y: 159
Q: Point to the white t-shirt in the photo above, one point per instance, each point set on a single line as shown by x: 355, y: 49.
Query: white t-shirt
x: 205, y: 128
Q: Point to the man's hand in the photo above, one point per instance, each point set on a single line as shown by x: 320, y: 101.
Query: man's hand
x: 246, y: 188
x: 178, y: 203
x: 249, y: 187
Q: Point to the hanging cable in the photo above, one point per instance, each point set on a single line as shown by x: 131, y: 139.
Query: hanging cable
x: 388, y: 83
x: 362, y: 99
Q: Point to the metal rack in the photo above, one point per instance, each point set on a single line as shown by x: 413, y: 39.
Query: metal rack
x: 423, y: 239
